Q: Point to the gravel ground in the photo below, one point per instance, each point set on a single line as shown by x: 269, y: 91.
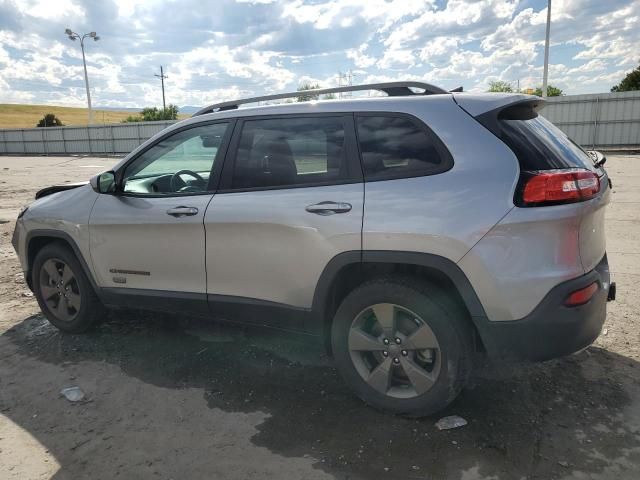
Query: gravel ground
x: 170, y: 397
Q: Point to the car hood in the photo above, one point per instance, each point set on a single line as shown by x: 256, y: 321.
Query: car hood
x: 58, y: 188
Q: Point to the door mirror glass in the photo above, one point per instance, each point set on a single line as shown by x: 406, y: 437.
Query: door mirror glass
x: 104, y: 183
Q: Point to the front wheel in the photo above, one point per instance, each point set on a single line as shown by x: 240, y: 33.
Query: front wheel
x: 402, y: 345
x: 63, y: 290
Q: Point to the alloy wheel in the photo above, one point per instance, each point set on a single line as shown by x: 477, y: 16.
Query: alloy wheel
x: 59, y: 289
x: 394, y: 350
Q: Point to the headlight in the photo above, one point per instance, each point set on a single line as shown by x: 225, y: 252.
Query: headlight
x: 23, y: 211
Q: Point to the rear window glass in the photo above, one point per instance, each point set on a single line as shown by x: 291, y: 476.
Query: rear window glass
x: 540, y: 145
x: 394, y: 147
x: 281, y: 152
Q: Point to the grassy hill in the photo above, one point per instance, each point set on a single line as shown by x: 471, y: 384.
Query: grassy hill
x: 27, y: 116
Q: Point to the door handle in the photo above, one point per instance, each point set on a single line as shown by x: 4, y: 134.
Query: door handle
x: 182, y: 211
x: 329, y: 208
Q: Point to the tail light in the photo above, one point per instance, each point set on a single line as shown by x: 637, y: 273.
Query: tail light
x: 554, y: 187
x: 581, y: 296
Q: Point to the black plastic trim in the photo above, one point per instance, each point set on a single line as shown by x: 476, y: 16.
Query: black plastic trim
x: 441, y: 264
x: 44, y: 233
x: 262, y: 313
x: 155, y: 300
x: 216, y: 299
x: 552, y: 329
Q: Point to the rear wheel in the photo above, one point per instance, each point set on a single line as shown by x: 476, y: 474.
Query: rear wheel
x: 401, y: 346
x: 63, y: 290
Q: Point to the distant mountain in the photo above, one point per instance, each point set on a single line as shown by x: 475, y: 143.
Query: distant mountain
x: 188, y: 109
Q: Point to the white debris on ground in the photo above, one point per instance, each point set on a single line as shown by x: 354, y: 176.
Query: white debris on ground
x: 453, y: 421
x: 73, y: 394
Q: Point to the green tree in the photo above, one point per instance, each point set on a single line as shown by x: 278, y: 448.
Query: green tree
x: 329, y: 96
x: 630, y: 82
x: 154, y: 114
x: 49, y: 120
x: 551, y: 91
x: 500, y: 86
x: 308, y: 96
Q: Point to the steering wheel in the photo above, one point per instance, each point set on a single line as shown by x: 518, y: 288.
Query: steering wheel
x: 175, y: 178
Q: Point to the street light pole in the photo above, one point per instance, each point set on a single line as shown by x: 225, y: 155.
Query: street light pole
x: 545, y: 75
x: 76, y: 36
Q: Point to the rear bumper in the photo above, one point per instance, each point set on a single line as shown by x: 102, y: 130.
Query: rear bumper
x: 552, y: 330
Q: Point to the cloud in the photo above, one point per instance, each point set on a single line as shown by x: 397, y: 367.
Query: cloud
x: 219, y: 50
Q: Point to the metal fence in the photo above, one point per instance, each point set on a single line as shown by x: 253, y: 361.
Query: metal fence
x: 596, y: 121
x: 93, y: 140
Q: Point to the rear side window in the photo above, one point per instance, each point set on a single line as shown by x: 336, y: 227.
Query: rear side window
x: 397, y: 146
x: 540, y: 145
x: 290, y: 151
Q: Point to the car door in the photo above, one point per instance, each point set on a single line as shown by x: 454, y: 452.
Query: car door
x: 290, y: 200
x: 148, y: 237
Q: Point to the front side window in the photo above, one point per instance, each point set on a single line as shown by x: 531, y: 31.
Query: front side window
x: 394, y: 147
x: 290, y: 152
x: 178, y: 164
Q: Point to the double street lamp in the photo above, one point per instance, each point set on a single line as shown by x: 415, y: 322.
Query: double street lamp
x: 76, y: 36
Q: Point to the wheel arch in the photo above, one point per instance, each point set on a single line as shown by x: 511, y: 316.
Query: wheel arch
x: 347, y: 270
x: 36, y: 240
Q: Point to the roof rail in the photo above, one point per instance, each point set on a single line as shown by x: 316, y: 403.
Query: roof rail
x: 392, y: 89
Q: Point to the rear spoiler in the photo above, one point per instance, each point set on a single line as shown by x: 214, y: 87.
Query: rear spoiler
x: 489, y: 108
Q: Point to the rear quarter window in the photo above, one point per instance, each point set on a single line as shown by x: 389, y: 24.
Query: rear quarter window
x: 394, y: 146
x: 540, y: 145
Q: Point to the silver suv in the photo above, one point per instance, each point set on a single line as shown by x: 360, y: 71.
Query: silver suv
x: 410, y: 233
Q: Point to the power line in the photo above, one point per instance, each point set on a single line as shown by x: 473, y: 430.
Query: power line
x: 162, y: 76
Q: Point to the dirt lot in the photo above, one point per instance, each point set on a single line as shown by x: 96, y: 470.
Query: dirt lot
x: 185, y: 398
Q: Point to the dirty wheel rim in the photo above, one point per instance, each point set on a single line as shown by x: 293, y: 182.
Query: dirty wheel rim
x: 59, y: 289
x: 394, y: 350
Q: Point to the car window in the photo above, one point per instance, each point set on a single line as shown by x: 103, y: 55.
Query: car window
x: 540, y: 145
x: 290, y: 151
x: 393, y: 147
x: 178, y: 164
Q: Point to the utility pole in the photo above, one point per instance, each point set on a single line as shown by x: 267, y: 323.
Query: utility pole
x: 162, y: 76
x: 545, y: 75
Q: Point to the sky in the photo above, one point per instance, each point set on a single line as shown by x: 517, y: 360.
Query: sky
x: 225, y: 49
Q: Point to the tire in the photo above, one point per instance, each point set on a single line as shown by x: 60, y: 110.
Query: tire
x: 78, y: 311
x: 442, y: 369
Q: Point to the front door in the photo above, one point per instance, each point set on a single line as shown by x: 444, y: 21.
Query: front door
x: 150, y: 236
x: 291, y: 199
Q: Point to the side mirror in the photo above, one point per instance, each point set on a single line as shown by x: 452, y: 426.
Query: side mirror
x: 104, y: 182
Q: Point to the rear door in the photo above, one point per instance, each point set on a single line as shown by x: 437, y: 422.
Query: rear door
x: 291, y: 199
